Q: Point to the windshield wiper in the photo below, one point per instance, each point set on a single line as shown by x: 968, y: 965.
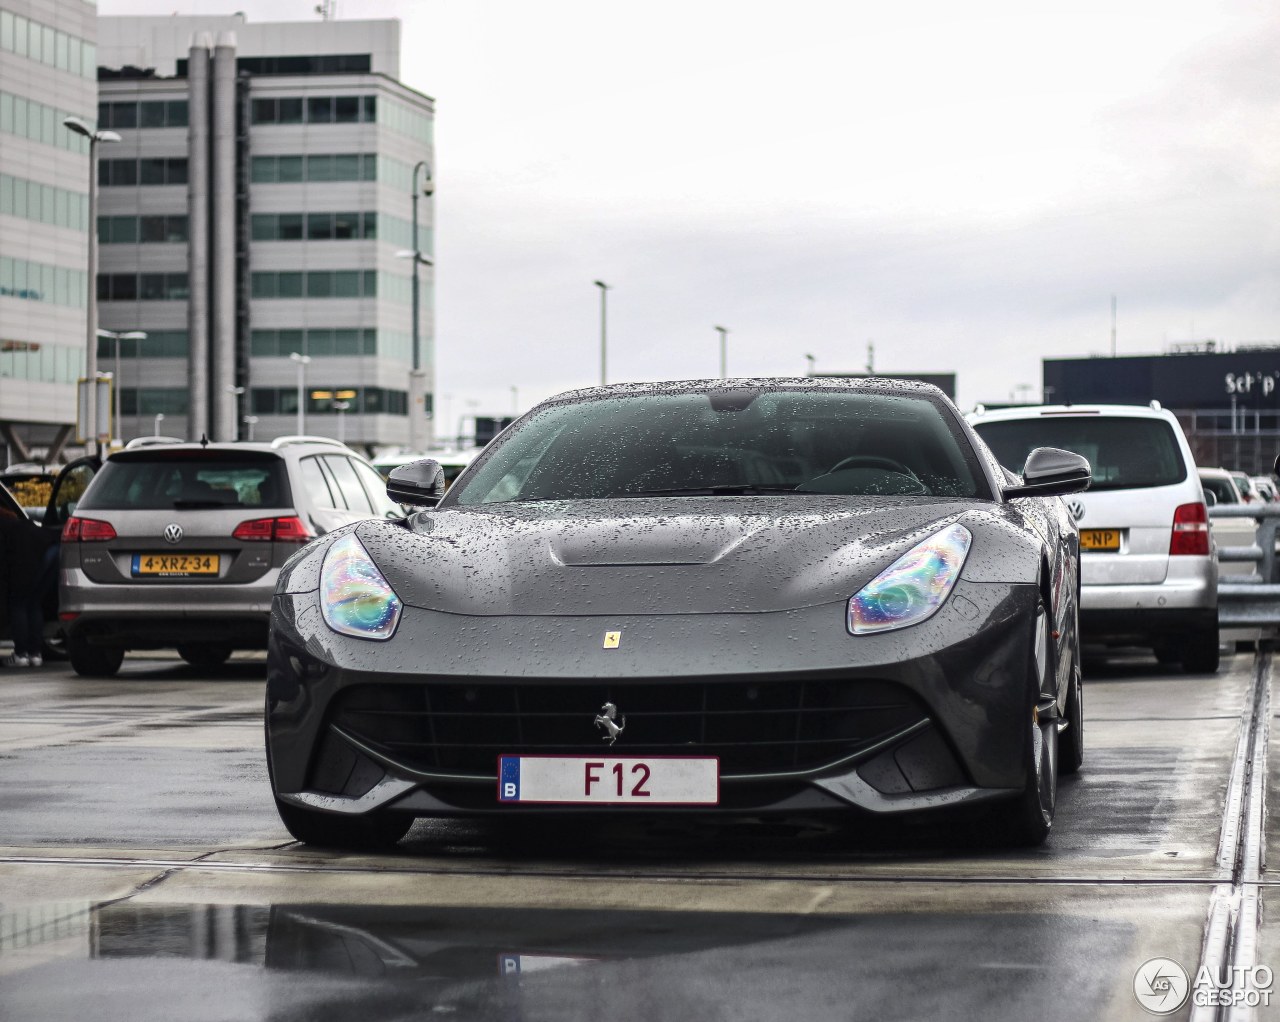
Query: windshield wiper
x: 201, y: 505
x: 730, y: 490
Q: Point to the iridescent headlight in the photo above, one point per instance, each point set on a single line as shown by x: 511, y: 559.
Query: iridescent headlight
x: 354, y: 597
x: 914, y: 586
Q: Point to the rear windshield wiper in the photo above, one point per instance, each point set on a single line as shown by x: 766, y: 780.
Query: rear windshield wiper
x: 733, y: 489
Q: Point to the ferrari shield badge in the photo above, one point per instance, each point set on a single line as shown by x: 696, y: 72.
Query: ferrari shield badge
x: 612, y: 639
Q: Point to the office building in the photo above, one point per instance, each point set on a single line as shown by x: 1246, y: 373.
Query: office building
x: 251, y: 219
x: 47, y: 71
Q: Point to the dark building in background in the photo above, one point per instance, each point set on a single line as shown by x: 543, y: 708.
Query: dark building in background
x: 1227, y: 401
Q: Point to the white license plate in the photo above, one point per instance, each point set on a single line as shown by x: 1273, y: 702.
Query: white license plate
x: 610, y: 780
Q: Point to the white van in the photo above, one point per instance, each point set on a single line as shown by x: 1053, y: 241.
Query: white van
x: 1148, y: 565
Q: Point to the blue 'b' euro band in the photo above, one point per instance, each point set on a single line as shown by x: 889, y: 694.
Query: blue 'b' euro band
x: 509, y: 779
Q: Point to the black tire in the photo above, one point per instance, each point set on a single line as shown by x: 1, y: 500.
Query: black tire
x: 1025, y: 821
x: 206, y: 655
x: 1071, y: 751
x: 94, y: 661
x: 353, y: 833
x: 1200, y: 652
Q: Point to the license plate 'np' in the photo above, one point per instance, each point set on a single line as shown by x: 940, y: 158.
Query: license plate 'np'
x: 1099, y: 539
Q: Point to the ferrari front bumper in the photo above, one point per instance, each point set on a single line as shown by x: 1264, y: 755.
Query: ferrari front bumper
x: 803, y: 716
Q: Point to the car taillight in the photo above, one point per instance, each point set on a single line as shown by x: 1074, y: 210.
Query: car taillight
x: 1190, y: 531
x: 289, y: 529
x: 86, y: 530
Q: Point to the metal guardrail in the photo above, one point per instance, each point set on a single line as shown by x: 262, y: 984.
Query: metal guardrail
x: 1250, y: 601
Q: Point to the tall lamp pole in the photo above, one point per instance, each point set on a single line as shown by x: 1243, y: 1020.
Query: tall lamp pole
x: 128, y: 335
x: 724, y: 351
x: 418, y: 439
x: 812, y: 360
x: 77, y: 125
x: 604, y: 335
x: 303, y: 361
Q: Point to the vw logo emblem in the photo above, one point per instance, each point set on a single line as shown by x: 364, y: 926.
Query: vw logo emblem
x: 1077, y: 509
x: 173, y: 533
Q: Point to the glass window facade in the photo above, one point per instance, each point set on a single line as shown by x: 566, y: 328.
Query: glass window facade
x: 38, y: 122
x: 313, y: 109
x: 43, y: 203
x: 45, y: 45
x: 314, y: 167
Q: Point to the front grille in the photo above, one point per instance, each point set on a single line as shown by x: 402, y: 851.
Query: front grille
x: 753, y: 727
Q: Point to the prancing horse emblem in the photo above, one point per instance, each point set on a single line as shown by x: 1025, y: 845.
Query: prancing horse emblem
x: 605, y: 719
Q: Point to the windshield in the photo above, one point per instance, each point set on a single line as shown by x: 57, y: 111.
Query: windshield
x: 189, y: 481
x: 730, y: 442
x: 1125, y: 453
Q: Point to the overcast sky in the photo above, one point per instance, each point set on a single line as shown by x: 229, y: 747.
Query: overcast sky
x: 965, y: 186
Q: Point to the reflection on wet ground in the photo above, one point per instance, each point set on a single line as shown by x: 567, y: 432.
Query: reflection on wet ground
x: 308, y: 962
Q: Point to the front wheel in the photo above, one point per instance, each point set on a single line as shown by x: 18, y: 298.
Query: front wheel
x: 353, y: 833
x: 94, y: 661
x: 1026, y: 820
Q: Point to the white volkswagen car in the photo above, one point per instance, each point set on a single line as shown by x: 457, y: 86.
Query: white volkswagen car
x: 1148, y: 566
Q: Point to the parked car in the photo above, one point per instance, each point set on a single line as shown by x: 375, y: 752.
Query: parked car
x: 1220, y: 489
x: 1148, y: 567
x: 1267, y: 487
x: 747, y: 597
x: 31, y: 485
x: 179, y: 545
x: 1248, y: 491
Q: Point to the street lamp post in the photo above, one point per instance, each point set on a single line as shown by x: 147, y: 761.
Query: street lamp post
x: 303, y: 361
x: 159, y: 419
x: 127, y: 335
x: 724, y: 351
x: 250, y: 421
x: 604, y: 322
x: 418, y: 438
x: 812, y: 360
x: 77, y: 125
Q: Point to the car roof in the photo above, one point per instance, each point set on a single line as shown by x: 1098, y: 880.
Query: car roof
x: 1151, y: 411
x: 1213, y: 473
x: 865, y: 384
x: 281, y: 446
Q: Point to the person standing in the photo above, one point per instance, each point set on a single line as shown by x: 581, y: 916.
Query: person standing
x: 22, y: 548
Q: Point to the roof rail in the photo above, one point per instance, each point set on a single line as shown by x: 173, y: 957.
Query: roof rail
x: 299, y: 438
x: 152, y: 441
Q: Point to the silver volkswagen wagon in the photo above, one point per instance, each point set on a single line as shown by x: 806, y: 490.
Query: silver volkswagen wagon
x: 179, y: 544
x: 1148, y: 567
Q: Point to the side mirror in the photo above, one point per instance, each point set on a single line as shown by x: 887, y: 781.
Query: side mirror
x: 1050, y: 472
x: 419, y: 483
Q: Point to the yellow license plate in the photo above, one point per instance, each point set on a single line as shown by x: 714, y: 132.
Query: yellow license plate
x: 1099, y: 539
x: 175, y: 565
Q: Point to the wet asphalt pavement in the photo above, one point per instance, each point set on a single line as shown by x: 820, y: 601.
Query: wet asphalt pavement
x: 144, y: 875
